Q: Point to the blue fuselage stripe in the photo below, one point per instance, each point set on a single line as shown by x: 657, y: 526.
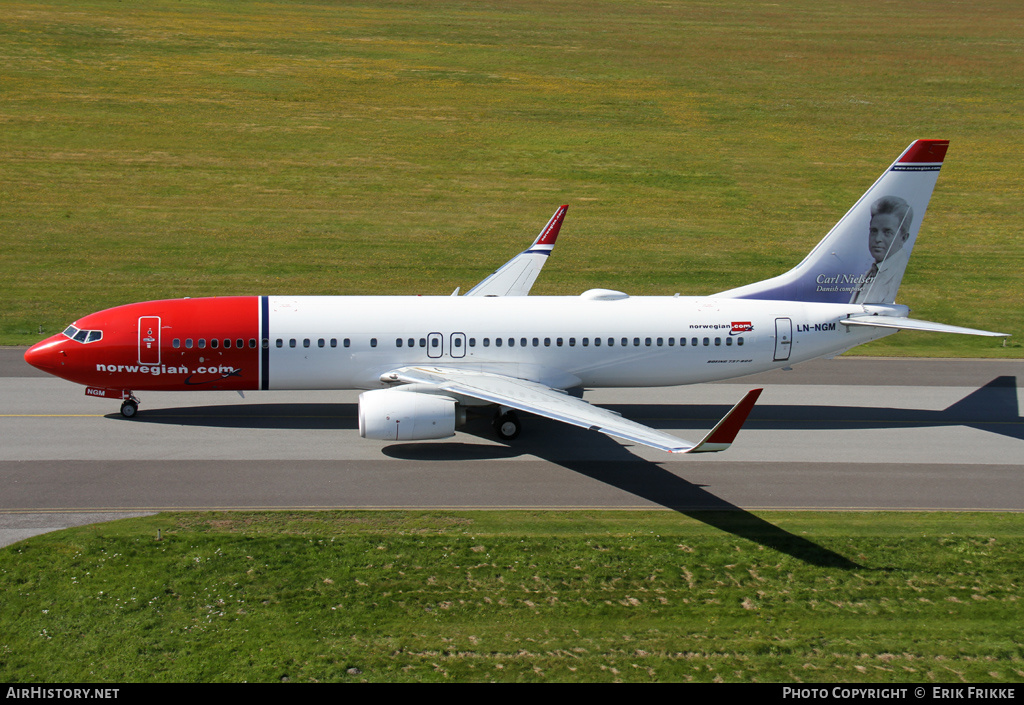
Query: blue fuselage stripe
x: 265, y: 342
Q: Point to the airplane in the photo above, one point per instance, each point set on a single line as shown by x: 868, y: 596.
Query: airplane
x: 425, y: 361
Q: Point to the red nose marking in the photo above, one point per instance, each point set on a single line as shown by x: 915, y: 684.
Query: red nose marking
x: 48, y: 355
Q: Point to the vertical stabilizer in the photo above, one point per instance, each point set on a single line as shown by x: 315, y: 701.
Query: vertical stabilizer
x: 863, y: 258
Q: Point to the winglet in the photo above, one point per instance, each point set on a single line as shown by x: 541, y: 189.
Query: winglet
x: 723, y: 434
x: 516, y: 277
x: 550, y: 232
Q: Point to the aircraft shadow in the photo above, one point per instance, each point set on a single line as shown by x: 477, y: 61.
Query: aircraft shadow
x: 292, y: 416
x: 603, y: 459
x: 586, y: 453
x: 992, y: 408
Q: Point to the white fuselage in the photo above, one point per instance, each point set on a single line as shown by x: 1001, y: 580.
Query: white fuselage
x: 599, y: 339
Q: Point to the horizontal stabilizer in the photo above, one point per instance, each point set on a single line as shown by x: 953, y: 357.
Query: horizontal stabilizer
x: 913, y: 324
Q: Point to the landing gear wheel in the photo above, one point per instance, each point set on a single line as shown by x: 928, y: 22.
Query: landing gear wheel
x: 507, y: 425
x: 129, y: 408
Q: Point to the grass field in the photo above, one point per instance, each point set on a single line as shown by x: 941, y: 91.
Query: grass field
x: 202, y: 147
x: 518, y: 596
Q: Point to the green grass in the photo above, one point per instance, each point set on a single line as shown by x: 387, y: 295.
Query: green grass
x: 518, y: 596
x: 203, y: 147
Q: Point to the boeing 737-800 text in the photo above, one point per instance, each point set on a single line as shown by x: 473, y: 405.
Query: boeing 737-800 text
x: 426, y: 360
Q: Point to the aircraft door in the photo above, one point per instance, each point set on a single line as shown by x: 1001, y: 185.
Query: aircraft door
x: 149, y: 340
x: 783, y: 338
x: 457, y: 345
x: 435, y: 345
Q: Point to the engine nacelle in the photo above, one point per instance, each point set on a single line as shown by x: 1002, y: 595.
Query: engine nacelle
x: 397, y: 415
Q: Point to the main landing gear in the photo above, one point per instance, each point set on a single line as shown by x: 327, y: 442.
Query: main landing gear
x: 130, y: 406
x: 507, y: 425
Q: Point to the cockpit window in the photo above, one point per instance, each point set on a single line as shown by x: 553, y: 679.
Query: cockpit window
x: 83, y: 336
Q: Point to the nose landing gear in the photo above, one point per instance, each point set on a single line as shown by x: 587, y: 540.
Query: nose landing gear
x: 130, y: 406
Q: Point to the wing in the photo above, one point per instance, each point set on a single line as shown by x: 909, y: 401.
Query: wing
x: 541, y: 400
x: 516, y: 277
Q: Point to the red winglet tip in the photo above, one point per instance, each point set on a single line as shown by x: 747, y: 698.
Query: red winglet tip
x: 926, y: 152
x: 735, y: 419
x: 550, y: 233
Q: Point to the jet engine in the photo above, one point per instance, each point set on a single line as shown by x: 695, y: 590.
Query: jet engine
x: 398, y: 415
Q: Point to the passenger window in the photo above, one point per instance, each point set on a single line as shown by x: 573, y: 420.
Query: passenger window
x: 176, y: 343
x: 728, y: 342
x: 558, y: 342
x: 739, y: 341
x: 321, y: 343
x: 398, y: 342
x: 718, y: 341
x: 334, y: 342
x: 214, y: 343
x: 291, y: 343
x: 279, y: 343
x: 188, y: 343
x: 373, y: 342
x: 347, y: 343
x: 707, y: 341
x: 547, y: 342
x: 693, y: 342
x: 536, y: 342
x: 202, y: 343
x: 305, y: 342
x: 572, y: 342
x: 522, y: 342
x: 497, y: 342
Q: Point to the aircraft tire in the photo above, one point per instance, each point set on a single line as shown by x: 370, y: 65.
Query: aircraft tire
x: 129, y: 408
x: 507, y: 426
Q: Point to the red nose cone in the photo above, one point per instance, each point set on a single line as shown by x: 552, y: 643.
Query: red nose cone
x: 48, y: 355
